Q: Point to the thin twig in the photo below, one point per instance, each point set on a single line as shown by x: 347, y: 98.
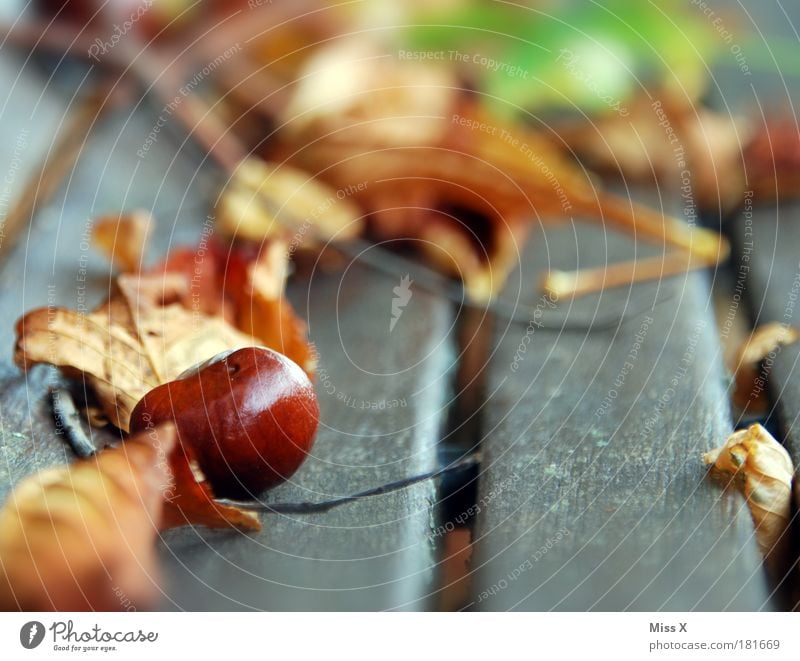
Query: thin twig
x: 464, y: 463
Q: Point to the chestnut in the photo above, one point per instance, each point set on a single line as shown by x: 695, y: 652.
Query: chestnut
x: 247, y: 417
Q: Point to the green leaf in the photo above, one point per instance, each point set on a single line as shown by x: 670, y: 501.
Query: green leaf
x: 583, y: 54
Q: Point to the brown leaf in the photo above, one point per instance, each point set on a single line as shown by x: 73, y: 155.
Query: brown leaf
x: 476, y: 192
x: 202, y: 273
x: 764, y: 471
x: 123, y: 239
x: 264, y: 312
x: 268, y: 201
x: 244, y: 282
x: 667, y: 141
x: 193, y: 499
x: 750, y: 377
x: 137, y: 340
x: 350, y: 88
x: 82, y: 537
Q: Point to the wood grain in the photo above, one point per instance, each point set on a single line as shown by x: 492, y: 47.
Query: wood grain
x: 374, y: 554
x: 594, y: 495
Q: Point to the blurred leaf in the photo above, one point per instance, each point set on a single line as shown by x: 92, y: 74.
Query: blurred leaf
x: 580, y: 54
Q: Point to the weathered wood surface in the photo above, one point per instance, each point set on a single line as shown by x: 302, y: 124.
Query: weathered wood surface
x: 767, y: 263
x: 53, y: 263
x: 383, y: 397
x: 593, y: 494
x: 26, y: 439
x: 578, y: 509
x: 375, y: 554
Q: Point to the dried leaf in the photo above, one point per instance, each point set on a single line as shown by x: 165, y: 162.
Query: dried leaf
x: 123, y: 239
x: 763, y: 344
x: 772, y: 160
x: 137, y: 340
x: 499, y: 175
x: 762, y: 468
x: 662, y: 138
x: 265, y: 313
x: 244, y: 282
x: 350, y: 88
x: 82, y: 537
x: 268, y: 201
x: 202, y: 272
x: 193, y: 502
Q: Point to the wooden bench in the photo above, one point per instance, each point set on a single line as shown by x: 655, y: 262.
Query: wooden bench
x: 591, y: 493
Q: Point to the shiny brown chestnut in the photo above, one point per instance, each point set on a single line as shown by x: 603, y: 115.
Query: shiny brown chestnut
x: 248, y: 418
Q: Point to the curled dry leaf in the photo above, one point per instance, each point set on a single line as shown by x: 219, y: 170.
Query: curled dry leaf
x: 264, y: 312
x: 244, y: 282
x: 350, y: 88
x: 763, y: 470
x: 193, y: 501
x: 664, y: 137
x: 469, y: 199
x: 441, y: 175
x: 756, y: 354
x: 772, y: 160
x: 82, y: 537
x: 135, y: 341
x: 159, y: 323
x: 123, y: 238
x: 270, y: 201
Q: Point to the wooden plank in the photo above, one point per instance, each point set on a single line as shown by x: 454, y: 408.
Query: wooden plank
x: 27, y: 441
x: 54, y: 264
x: 768, y: 267
x: 767, y: 271
x: 369, y: 555
x: 373, y: 554
x: 593, y: 495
